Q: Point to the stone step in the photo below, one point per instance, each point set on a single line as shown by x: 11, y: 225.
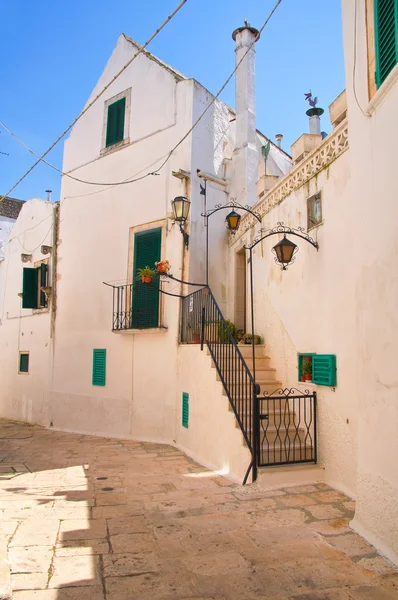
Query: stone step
x: 266, y: 385
x: 289, y: 475
x: 245, y: 350
x: 239, y: 376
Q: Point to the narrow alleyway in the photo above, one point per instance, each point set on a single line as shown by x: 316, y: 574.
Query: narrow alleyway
x: 95, y: 518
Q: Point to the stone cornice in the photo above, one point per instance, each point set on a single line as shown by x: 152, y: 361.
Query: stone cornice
x: 332, y: 147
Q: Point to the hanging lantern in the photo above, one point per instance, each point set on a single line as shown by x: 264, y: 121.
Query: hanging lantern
x: 284, y: 251
x: 181, y: 206
x: 233, y: 220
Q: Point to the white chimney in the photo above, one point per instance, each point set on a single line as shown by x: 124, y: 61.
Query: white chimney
x: 245, y: 152
x: 279, y: 138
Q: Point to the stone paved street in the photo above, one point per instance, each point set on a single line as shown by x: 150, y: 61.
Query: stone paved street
x: 95, y: 518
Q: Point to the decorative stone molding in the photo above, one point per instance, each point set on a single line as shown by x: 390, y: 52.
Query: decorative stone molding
x: 333, y: 146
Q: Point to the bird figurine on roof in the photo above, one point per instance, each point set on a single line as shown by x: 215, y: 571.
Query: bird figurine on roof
x: 311, y: 101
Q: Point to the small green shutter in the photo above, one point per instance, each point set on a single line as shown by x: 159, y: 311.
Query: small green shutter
x: 115, y: 122
x: 386, y: 38
x: 24, y: 363
x: 43, y: 269
x: 324, y: 369
x: 99, y: 367
x: 29, y: 288
x: 185, y: 409
x: 145, y: 306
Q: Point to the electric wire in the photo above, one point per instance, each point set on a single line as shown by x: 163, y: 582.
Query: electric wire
x: 156, y: 171
x: 140, y: 50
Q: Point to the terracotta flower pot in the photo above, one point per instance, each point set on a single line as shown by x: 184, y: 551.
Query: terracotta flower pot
x: 146, y: 278
x: 308, y: 377
x: 162, y: 269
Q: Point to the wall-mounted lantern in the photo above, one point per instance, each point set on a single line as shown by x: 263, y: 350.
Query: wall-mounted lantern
x: 181, y: 206
x: 233, y: 219
x: 284, y: 251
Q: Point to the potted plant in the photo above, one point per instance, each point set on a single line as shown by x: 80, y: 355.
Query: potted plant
x: 146, y: 274
x: 247, y: 339
x: 307, y: 370
x: 163, y: 266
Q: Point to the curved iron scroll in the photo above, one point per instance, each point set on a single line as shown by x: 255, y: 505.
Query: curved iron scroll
x: 282, y: 228
x: 231, y: 204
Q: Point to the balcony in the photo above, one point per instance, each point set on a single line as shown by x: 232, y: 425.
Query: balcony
x: 136, y: 307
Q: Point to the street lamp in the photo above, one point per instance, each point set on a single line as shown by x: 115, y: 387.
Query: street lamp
x: 181, y: 206
x: 233, y: 219
x: 284, y: 251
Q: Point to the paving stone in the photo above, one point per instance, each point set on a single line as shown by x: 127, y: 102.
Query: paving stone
x: 331, y: 527
x: 112, y: 512
x: 30, y: 559
x: 171, y: 585
x: 32, y: 532
x: 121, y: 565
x: 76, y: 593
x: 378, y: 565
x: 78, y: 547
x: 324, y: 511
x: 132, y: 543
x: 82, y: 529
x: 75, y: 571
x: 279, y: 518
x: 29, y: 581
x: 334, y: 594
x: 297, y: 500
x: 373, y: 593
x: 301, y: 489
x: 330, y: 497
x: 351, y: 544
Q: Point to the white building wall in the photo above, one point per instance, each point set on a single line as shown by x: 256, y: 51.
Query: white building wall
x: 138, y: 399
x: 311, y: 307
x: 24, y: 396
x: 373, y: 247
x: 6, y: 225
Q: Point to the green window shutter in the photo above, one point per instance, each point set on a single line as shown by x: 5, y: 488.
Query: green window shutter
x: 24, y: 363
x: 185, y: 409
x: 29, y: 288
x: 386, y: 38
x: 324, y: 369
x: 145, y: 301
x: 115, y: 122
x: 43, y: 270
x: 99, y: 367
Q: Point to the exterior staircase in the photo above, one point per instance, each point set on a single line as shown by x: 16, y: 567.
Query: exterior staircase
x: 282, y: 440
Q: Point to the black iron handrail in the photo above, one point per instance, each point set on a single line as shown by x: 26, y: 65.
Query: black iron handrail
x: 203, y: 322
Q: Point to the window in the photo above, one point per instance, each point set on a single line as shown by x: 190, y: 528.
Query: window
x: 115, y: 122
x: 318, y: 368
x: 34, y: 280
x: 314, y: 210
x: 386, y: 38
x: 99, y: 367
x: 145, y: 300
x: 23, y: 362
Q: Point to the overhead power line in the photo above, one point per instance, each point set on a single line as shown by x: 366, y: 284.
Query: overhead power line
x: 141, y: 49
x: 170, y: 153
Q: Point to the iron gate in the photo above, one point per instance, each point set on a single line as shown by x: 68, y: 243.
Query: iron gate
x: 286, y: 427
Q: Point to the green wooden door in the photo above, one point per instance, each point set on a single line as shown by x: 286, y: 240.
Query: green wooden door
x: 145, y: 302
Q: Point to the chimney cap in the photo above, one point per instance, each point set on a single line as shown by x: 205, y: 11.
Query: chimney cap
x: 252, y: 30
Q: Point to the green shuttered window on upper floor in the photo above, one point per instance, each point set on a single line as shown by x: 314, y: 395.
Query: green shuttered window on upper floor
x: 386, y: 38
x: 33, y: 279
x: 115, y: 122
x: 99, y: 367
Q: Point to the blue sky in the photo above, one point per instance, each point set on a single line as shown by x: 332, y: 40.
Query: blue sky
x: 54, y: 52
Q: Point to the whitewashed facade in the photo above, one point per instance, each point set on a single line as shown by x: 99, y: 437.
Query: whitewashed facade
x: 337, y: 301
